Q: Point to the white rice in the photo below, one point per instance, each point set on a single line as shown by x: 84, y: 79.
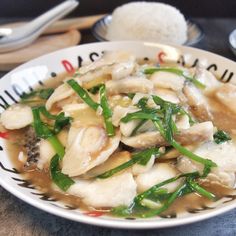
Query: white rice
x: 148, y: 21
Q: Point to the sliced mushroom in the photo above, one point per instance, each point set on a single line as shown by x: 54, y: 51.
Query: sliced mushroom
x: 16, y: 116
x: 195, y: 134
x: 222, y: 154
x: 129, y: 85
x: 157, y: 174
x: 89, y: 147
x: 115, y: 191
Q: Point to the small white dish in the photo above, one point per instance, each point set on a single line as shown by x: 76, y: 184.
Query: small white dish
x: 232, y: 41
x: 35, y: 72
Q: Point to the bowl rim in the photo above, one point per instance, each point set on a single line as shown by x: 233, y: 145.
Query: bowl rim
x: 115, y: 222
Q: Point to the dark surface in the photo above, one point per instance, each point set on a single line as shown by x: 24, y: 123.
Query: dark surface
x: 192, y: 8
x: 19, y: 218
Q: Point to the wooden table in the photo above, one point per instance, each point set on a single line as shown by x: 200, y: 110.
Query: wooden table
x: 18, y: 218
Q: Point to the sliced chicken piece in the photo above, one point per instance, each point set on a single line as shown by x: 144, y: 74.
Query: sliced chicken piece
x: 90, y: 147
x: 167, y: 80
x: 157, y: 174
x: 167, y: 95
x: 115, y: 191
x: 60, y: 93
x: 226, y: 94
x: 16, y: 116
x: 129, y: 85
x: 195, y: 134
x: 114, y: 160
x: 222, y: 154
x: 197, y: 102
x: 140, y: 169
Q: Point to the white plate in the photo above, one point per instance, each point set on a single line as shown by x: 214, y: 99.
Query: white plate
x: 35, y: 72
x: 194, y: 31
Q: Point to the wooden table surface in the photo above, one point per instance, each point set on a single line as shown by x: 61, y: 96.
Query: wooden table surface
x: 18, y: 218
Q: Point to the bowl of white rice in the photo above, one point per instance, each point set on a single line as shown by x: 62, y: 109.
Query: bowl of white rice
x: 148, y: 21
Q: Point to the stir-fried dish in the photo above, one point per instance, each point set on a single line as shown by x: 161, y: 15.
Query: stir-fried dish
x: 128, y: 137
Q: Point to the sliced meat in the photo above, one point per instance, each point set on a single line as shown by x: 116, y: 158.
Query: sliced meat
x: 197, y: 102
x: 129, y: 85
x: 195, y: 134
x: 222, y: 154
x: 157, y: 174
x: 88, y: 148
x: 60, y: 93
x: 162, y: 79
x: 115, y: 191
x: 139, y: 169
x: 16, y: 116
x: 226, y: 94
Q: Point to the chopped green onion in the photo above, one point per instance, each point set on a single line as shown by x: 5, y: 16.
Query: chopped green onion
x: 95, y: 89
x: 106, y: 111
x: 197, y: 188
x: 61, y: 180
x: 221, y: 136
x: 45, y: 93
x: 192, y: 155
x: 176, y: 71
x: 139, y: 115
x: 83, y: 94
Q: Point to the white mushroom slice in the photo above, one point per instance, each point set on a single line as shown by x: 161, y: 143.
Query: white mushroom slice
x: 115, y: 191
x: 90, y: 148
x: 60, y: 93
x: 157, y: 174
x: 139, y: 169
x: 222, y: 154
x: 197, y: 102
x: 119, y: 112
x: 195, y: 134
x: 226, y: 94
x: 16, y: 116
x: 167, y: 95
x: 167, y: 80
x: 129, y: 85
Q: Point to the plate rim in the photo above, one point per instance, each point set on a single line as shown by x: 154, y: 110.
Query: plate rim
x: 113, y: 223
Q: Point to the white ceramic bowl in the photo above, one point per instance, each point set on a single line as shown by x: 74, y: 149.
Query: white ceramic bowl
x: 35, y: 72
